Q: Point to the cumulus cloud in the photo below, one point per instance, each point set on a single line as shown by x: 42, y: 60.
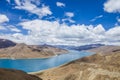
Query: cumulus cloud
x: 32, y: 7
x: 112, y: 6
x: 69, y: 14
x: 97, y: 17
x: 59, y: 4
x: 3, y: 18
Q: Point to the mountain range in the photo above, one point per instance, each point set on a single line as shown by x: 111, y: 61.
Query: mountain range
x: 80, y: 48
x: 13, y: 50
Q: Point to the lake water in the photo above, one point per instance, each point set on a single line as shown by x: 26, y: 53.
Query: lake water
x: 33, y: 65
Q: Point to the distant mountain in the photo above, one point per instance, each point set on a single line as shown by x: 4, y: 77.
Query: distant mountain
x: 105, y: 66
x: 106, y: 49
x: 4, y: 43
x: 11, y: 74
x: 80, y: 48
x: 28, y: 51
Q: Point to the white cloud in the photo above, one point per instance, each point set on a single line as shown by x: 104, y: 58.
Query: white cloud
x: 113, y: 35
x: 97, y: 17
x: 3, y: 18
x: 13, y: 28
x: 112, y: 6
x: 118, y: 20
x: 68, y: 19
x: 69, y: 14
x: 9, y: 28
x: 5, y: 27
x: 31, y: 6
x: 18, y: 2
x: 114, y: 32
x: 59, y: 4
x: 99, y: 29
x: 2, y: 28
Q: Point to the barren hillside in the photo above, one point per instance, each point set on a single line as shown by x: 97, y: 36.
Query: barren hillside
x: 95, y: 67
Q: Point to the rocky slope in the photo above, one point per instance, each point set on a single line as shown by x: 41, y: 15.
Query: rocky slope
x: 99, y: 66
x: 9, y: 74
x: 29, y: 51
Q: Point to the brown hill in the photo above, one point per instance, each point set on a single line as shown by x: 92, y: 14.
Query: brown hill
x: 10, y: 74
x: 95, y: 67
x: 27, y: 51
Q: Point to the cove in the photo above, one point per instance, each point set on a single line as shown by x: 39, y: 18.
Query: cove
x: 38, y: 64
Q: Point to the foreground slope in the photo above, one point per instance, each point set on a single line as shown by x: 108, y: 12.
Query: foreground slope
x: 99, y: 66
x: 10, y: 74
x: 29, y: 51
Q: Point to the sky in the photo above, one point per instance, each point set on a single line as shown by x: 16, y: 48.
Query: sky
x: 60, y: 22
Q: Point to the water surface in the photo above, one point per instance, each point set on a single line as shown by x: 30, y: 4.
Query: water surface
x: 33, y: 65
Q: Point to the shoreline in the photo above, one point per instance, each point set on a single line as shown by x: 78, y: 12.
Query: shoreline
x: 29, y: 58
x: 12, y: 58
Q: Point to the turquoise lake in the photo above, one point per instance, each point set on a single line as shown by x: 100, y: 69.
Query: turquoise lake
x: 33, y: 65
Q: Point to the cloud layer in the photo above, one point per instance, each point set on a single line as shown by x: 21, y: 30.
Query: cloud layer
x: 52, y: 32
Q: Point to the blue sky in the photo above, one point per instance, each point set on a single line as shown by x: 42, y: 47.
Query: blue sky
x: 60, y: 21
